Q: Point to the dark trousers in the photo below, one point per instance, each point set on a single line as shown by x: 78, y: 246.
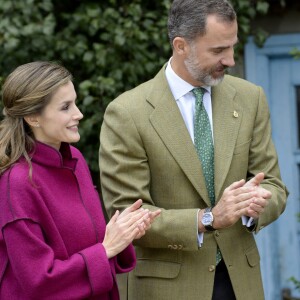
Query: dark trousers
x: 222, y: 286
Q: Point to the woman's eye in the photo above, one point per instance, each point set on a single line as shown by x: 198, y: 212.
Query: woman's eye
x: 66, y: 107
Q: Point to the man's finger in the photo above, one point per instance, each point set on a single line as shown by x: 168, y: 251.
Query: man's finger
x: 256, y: 180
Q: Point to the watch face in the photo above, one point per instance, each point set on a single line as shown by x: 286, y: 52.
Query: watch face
x: 207, y: 219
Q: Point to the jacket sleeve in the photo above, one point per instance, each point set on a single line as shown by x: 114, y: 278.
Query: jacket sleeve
x: 82, y: 275
x: 125, y: 176
x: 263, y: 158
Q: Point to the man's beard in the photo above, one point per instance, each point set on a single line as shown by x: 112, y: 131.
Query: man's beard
x: 201, y: 75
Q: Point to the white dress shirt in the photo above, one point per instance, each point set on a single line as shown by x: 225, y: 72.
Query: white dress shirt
x: 185, y: 99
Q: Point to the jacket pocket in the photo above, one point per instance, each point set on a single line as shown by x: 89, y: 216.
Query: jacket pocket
x: 158, y: 269
x: 253, y: 257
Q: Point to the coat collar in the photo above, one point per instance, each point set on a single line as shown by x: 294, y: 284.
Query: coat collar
x: 48, y: 156
x: 169, y: 125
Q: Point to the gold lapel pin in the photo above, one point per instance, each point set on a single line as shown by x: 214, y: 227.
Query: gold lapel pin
x: 235, y: 114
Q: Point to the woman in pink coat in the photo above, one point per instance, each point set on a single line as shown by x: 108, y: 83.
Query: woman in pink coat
x: 54, y: 243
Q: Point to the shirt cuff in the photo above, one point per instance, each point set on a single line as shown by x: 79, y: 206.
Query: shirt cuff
x: 247, y: 221
x: 199, y: 234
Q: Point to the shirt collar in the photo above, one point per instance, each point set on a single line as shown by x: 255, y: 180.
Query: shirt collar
x: 178, y: 86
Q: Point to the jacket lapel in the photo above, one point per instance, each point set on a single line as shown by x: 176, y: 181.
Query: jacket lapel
x: 227, y: 116
x: 169, y: 125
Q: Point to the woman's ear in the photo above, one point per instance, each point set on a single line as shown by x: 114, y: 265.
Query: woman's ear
x: 32, y: 121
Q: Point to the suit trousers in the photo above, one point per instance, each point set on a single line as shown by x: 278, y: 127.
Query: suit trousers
x: 222, y: 285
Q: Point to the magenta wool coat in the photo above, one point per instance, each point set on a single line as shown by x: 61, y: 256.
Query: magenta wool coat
x: 51, y: 231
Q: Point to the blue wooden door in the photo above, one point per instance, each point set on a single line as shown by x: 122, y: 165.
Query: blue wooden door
x: 273, y: 68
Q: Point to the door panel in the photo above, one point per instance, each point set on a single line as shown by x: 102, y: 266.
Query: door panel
x: 278, y: 73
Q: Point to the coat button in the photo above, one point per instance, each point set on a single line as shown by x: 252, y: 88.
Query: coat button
x: 217, y: 233
x: 211, y: 268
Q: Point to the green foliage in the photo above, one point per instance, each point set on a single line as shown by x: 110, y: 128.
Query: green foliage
x: 295, y: 282
x: 295, y: 52
x: 247, y: 11
x: 109, y: 46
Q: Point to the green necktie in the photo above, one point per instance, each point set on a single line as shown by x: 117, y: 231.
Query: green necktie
x: 204, y: 143
x: 205, y: 147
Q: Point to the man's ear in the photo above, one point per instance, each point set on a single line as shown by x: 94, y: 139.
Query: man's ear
x: 180, y: 45
x: 32, y: 121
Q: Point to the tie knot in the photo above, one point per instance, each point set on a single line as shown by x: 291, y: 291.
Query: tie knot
x: 198, y: 92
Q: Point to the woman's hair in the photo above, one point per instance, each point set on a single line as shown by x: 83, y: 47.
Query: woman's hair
x: 187, y: 18
x: 26, y: 91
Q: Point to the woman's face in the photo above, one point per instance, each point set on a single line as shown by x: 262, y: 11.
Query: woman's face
x: 60, y: 118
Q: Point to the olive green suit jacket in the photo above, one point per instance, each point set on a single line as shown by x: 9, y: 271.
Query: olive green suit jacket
x: 146, y: 152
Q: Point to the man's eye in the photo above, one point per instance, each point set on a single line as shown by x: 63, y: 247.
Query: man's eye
x: 217, y: 51
x: 66, y: 107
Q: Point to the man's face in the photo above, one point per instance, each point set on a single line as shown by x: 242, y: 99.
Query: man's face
x: 210, y: 55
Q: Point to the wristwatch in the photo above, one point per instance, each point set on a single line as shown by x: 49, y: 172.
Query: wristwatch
x: 207, y: 219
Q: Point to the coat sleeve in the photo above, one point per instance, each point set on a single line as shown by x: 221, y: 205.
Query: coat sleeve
x: 126, y: 260
x: 263, y: 158
x: 41, y: 276
x: 125, y: 176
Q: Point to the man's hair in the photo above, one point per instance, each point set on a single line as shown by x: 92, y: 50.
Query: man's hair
x: 187, y: 18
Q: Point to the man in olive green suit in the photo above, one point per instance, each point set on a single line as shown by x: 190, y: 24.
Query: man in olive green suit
x: 147, y: 151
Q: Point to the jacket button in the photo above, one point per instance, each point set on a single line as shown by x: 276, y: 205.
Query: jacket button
x: 217, y: 233
x: 211, y: 268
